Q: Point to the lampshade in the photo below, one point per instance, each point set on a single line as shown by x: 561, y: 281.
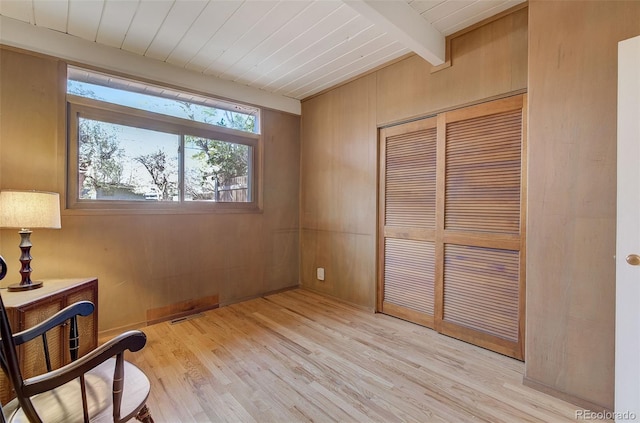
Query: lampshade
x: 29, y: 209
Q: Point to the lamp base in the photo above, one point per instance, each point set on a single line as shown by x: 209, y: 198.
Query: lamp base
x: 25, y: 287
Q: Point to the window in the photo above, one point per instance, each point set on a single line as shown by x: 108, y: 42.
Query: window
x: 137, y: 146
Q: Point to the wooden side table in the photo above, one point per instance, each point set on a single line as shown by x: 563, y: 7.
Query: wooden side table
x: 28, y: 308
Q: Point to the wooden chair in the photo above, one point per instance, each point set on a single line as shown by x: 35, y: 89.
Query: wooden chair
x: 98, y: 387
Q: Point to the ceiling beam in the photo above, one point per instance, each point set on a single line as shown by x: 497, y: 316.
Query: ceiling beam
x: 402, y: 22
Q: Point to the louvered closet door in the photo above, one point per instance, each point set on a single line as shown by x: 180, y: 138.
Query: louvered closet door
x: 452, y: 224
x: 483, y: 241
x: 408, y: 221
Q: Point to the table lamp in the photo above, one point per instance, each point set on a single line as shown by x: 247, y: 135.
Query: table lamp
x: 26, y: 210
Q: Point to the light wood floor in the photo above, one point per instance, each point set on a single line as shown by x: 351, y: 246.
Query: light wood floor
x: 298, y: 356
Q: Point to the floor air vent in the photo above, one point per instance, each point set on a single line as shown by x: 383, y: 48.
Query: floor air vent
x: 184, y: 319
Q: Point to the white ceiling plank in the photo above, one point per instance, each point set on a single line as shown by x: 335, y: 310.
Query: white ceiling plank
x: 313, y: 41
x: 331, y: 68
x: 51, y: 14
x: 272, y: 21
x: 84, y: 18
x: 274, y: 42
x: 467, y: 13
x: 344, y: 64
x: 445, y: 9
x: 181, y: 16
x: 17, y: 9
x: 245, y: 17
x: 321, y: 47
x: 422, y: 6
x: 116, y: 18
x: 252, y: 66
x: 350, y: 46
x: 406, y: 25
x: 379, y: 58
x: 485, y: 9
x: 229, y: 31
x: 205, y: 26
x: 145, y: 25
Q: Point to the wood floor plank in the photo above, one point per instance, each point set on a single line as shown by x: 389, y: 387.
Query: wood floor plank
x: 298, y: 356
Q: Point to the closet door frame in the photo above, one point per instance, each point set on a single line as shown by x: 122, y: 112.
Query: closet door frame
x: 442, y: 237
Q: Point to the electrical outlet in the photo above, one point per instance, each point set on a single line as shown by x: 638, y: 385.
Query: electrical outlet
x: 320, y: 273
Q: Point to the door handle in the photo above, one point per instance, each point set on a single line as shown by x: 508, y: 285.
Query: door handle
x: 633, y: 259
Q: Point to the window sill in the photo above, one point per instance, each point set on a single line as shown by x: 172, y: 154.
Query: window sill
x: 93, y: 209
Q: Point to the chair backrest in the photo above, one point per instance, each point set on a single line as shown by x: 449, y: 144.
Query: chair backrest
x: 9, y: 360
x: 3, y: 273
x: 3, y: 268
x: 8, y: 354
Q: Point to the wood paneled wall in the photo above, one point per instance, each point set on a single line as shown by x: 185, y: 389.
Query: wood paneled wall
x: 339, y: 146
x: 572, y: 195
x: 144, y: 261
x: 338, y: 192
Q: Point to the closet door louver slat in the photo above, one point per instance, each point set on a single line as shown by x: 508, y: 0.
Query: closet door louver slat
x: 483, y: 158
x: 410, y: 183
x: 409, y: 274
x: 481, y: 289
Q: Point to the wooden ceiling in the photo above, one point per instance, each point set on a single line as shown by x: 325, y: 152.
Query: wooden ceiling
x: 289, y: 48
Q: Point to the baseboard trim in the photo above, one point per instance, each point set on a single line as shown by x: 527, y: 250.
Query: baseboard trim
x: 182, y: 309
x: 340, y: 300
x: 262, y: 294
x: 105, y: 335
x: 580, y: 402
x: 162, y: 314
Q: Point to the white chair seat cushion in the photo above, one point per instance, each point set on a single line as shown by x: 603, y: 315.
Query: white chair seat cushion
x: 64, y: 404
